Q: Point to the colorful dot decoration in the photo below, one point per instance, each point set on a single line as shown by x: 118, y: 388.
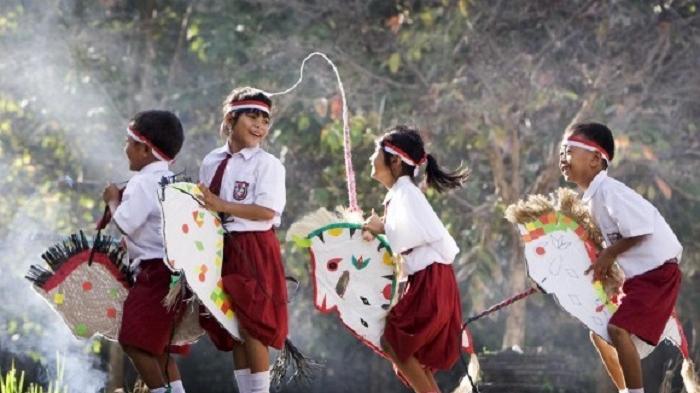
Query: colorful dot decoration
x: 58, y: 298
x: 87, y: 286
x: 185, y: 228
x: 552, y: 222
x: 387, y: 291
x: 81, y: 330
x: 222, y: 300
x: 112, y: 313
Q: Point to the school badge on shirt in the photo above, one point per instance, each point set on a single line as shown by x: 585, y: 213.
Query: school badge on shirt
x: 240, y: 190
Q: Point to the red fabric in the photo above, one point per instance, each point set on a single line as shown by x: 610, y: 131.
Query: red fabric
x: 146, y: 323
x: 215, y: 185
x: 426, y: 322
x: 253, y: 274
x: 648, y: 302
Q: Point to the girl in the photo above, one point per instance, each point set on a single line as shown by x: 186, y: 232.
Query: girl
x: 245, y: 184
x: 423, y: 330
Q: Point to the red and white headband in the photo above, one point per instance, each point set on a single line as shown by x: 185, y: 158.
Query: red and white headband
x: 156, y: 151
x: 395, y: 150
x: 587, y: 145
x: 249, y: 104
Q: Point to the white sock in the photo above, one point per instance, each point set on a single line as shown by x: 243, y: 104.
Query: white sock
x: 259, y: 382
x: 177, y: 387
x: 161, y: 389
x: 241, y: 376
x: 640, y: 390
x: 624, y: 391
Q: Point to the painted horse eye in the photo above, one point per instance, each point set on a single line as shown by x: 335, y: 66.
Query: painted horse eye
x: 332, y: 265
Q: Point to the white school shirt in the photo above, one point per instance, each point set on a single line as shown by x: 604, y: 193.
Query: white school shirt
x: 252, y: 176
x: 139, y: 215
x: 620, y: 212
x: 414, y: 230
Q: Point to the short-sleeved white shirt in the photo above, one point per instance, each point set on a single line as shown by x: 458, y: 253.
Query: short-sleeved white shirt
x: 139, y: 215
x: 620, y: 212
x: 252, y: 176
x: 414, y: 230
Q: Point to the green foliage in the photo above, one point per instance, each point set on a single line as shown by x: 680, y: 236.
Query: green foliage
x: 12, y: 381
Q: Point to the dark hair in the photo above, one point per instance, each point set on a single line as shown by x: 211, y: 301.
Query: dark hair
x: 245, y: 93
x: 598, y: 133
x: 411, y: 143
x: 162, y: 128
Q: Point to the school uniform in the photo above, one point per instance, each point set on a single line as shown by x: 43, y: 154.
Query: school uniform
x: 252, y: 270
x: 426, y: 322
x: 652, y: 277
x: 146, y: 323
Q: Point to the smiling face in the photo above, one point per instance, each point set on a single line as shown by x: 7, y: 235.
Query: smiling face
x: 578, y: 165
x: 248, y: 130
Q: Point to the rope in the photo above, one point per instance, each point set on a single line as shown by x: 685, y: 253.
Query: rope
x: 349, y: 172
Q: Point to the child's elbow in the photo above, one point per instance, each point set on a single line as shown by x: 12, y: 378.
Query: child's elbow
x: 267, y: 214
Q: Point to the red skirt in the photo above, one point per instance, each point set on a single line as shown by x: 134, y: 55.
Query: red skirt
x: 648, y: 302
x: 146, y: 323
x: 426, y: 322
x: 253, y: 274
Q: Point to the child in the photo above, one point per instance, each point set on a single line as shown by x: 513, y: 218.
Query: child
x: 638, y: 238
x: 423, y: 330
x: 246, y: 185
x: 153, y: 140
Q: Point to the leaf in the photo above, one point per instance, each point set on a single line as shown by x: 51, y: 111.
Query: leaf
x: 303, y: 123
x: 394, y: 62
x: 665, y: 189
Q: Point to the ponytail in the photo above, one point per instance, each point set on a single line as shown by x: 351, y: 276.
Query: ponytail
x: 440, y: 180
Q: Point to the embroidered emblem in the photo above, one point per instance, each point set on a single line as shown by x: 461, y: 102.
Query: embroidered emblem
x: 240, y: 190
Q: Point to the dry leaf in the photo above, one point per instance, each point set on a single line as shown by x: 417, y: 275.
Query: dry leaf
x: 663, y: 187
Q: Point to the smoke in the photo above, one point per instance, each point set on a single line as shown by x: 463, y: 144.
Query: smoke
x: 43, y: 67
x: 23, y: 308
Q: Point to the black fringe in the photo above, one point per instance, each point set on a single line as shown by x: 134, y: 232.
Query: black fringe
x: 58, y: 254
x: 303, y: 366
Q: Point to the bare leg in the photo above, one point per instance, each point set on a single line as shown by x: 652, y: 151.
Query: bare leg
x: 256, y: 352
x: 173, y: 371
x: 148, y: 367
x: 411, y: 369
x: 240, y: 359
x: 432, y: 380
x: 608, y: 355
x: 627, y: 354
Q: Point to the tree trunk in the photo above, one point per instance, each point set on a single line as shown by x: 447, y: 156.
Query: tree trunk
x: 515, y: 322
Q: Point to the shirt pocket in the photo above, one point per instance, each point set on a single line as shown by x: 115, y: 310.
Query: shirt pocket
x: 243, y: 188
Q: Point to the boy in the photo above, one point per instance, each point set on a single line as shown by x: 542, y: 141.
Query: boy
x: 638, y: 238
x: 153, y: 139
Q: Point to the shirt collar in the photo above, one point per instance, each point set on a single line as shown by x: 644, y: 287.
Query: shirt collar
x: 401, y: 182
x: 247, y: 152
x: 594, y: 186
x: 155, y: 166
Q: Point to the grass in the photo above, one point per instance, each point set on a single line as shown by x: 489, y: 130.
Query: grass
x: 13, y: 381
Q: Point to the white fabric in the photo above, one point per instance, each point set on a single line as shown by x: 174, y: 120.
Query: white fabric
x: 258, y: 172
x: 260, y: 107
x: 584, y: 146
x: 410, y: 224
x: 177, y: 387
x: 259, y: 382
x: 241, y: 376
x: 162, y: 389
x: 640, y: 390
x: 139, y: 216
x: 620, y: 212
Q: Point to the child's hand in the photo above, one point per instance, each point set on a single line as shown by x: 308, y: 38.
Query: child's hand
x: 601, y: 267
x: 373, y: 225
x: 209, y: 200
x: 110, y: 193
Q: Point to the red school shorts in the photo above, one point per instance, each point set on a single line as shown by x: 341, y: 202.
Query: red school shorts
x: 146, y: 323
x: 648, y: 302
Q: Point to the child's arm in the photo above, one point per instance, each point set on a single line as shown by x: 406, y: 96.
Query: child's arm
x: 608, y: 255
x: 247, y: 211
